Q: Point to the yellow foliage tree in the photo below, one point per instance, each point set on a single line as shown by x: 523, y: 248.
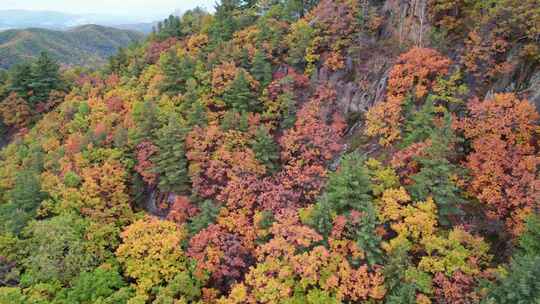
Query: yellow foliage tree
x: 150, y: 253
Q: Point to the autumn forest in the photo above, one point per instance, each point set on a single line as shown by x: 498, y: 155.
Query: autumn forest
x: 282, y: 151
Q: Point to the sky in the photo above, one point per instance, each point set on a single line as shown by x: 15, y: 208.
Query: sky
x: 145, y: 9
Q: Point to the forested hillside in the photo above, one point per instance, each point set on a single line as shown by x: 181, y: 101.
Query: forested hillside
x: 286, y: 151
x: 88, y: 45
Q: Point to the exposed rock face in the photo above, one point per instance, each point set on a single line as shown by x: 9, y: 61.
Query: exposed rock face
x: 533, y: 91
x: 523, y: 79
x: 362, y: 82
x: 408, y: 20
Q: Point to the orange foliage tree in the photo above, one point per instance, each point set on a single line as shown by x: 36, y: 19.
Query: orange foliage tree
x: 15, y: 111
x: 217, y: 157
x: 291, y: 266
x: 334, y: 22
x: 413, y: 75
x: 104, y: 193
x: 504, y: 162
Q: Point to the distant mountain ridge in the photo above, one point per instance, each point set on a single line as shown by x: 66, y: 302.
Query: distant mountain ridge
x: 87, y: 45
x: 15, y: 19
x: 21, y: 19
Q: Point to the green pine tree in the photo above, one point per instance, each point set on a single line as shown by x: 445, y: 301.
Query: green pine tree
x: 435, y: 178
x: 24, y: 200
x: 171, y: 162
x: 45, y: 78
x: 322, y: 217
x: 177, y: 72
x: 349, y: 189
x: 520, y: 283
x: 20, y: 79
x: 145, y: 117
x: 207, y: 216
x: 529, y: 241
x: 244, y: 59
x: 196, y: 115
x: 421, y: 124
x: 261, y: 69
x: 225, y: 23
x: 239, y: 96
x: 287, y: 109
x: 265, y: 149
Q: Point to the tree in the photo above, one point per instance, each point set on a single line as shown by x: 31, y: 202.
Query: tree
x: 98, y: 286
x: 517, y: 284
x: 56, y: 250
x: 45, y: 78
x: 528, y: 241
x: 15, y: 112
x: 305, y: 151
x: 520, y: 284
x: 196, y: 115
x: 20, y: 79
x: 412, y: 76
x: 176, y: 72
x: 170, y: 27
x: 349, y: 193
x: 290, y: 266
x: 298, y: 40
x: 146, y: 122
x: 261, y: 69
x: 186, y: 287
x: 145, y: 167
x: 266, y: 149
x: 458, y: 288
x: 12, y: 295
x: 239, y: 96
x: 504, y: 160
x: 207, y: 216
x: 220, y: 253
x: 150, y: 253
x: 193, y: 20
x: 24, y: 200
x: 170, y: 162
x: 225, y: 23
x: 421, y: 125
x: 104, y: 193
x: 437, y: 175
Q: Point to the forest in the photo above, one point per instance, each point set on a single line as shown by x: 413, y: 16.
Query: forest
x: 282, y: 151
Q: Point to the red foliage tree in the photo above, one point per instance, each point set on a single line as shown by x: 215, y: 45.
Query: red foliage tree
x: 221, y: 254
x: 181, y: 210
x: 306, y: 150
x: 144, y: 166
x: 458, y: 289
x: 157, y: 47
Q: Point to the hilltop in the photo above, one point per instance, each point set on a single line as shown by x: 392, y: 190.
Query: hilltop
x: 87, y: 45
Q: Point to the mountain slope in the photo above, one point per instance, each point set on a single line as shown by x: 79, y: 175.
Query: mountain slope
x: 86, y: 45
x: 332, y: 151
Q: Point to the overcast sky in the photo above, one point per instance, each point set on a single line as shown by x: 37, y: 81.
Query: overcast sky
x: 147, y: 9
